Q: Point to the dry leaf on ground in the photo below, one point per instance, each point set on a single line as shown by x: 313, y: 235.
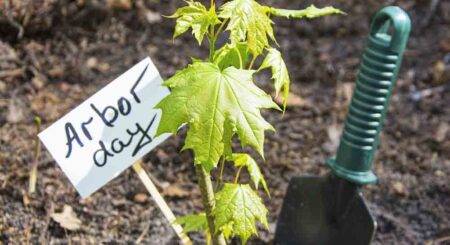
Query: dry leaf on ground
x: 67, y: 219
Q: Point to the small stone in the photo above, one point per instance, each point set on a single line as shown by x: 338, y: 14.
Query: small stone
x: 441, y: 132
x: 152, y: 17
x: 65, y: 87
x: 438, y: 71
x: 439, y: 173
x: 86, y: 200
x: 2, y: 86
x: 152, y: 49
x: 15, y: 113
x: 162, y: 156
x: 56, y: 72
x: 119, y: 4
x: 103, y: 67
x: 50, y: 189
x: 38, y: 82
x: 441, y: 70
x: 140, y: 198
x: 91, y: 63
x: 399, y: 188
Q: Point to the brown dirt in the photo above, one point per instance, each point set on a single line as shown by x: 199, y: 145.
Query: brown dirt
x: 70, y: 49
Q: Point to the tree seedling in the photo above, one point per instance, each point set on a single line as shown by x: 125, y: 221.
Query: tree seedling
x: 217, y: 99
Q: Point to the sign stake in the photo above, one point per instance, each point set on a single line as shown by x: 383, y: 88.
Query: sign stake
x: 167, y: 212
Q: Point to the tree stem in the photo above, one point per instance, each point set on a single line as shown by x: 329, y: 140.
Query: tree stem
x: 207, y: 193
x: 212, y: 43
x: 212, y: 46
x: 212, y: 40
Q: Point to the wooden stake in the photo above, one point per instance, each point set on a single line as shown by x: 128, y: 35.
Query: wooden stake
x: 167, y: 212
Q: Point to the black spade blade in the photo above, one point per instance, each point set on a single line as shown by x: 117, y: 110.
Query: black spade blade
x: 313, y: 213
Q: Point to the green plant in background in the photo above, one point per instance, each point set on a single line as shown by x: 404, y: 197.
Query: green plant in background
x: 218, y: 100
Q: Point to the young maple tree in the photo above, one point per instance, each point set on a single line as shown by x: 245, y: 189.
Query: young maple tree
x: 217, y: 99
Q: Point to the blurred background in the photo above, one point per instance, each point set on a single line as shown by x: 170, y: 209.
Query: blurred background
x: 55, y: 54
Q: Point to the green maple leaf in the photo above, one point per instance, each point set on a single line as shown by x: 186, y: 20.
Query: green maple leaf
x: 245, y: 160
x: 309, y: 12
x: 193, y: 222
x: 248, y: 22
x: 280, y: 74
x: 214, y: 102
x: 197, y: 17
x: 237, y: 209
x: 231, y: 55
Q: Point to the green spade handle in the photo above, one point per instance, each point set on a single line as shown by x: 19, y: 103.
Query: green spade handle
x: 376, y: 78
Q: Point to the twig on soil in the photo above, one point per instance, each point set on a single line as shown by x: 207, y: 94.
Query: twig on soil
x: 12, y: 21
x: 433, y: 7
x: 141, y: 41
x: 4, y: 102
x: 5, y: 180
x: 438, y: 240
x: 25, y: 198
x: 37, y: 153
x: 419, y: 95
x: 144, y: 232
x: 399, y: 223
x: 159, y: 184
x: 12, y: 73
x: 29, y: 49
x: 43, y: 239
x: 67, y: 236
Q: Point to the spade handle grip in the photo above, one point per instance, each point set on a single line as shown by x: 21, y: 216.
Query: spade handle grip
x: 376, y: 78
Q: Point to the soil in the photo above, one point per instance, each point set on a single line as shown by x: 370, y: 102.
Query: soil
x: 70, y: 49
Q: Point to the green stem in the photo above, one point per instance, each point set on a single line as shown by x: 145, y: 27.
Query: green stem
x: 207, y: 193
x: 252, y: 62
x: 219, y: 180
x: 220, y: 28
x: 240, y: 58
x: 237, y: 175
x: 212, y: 40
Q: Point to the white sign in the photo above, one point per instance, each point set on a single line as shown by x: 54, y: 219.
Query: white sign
x: 109, y: 131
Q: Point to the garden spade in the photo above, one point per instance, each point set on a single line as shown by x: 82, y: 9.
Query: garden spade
x: 331, y: 209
